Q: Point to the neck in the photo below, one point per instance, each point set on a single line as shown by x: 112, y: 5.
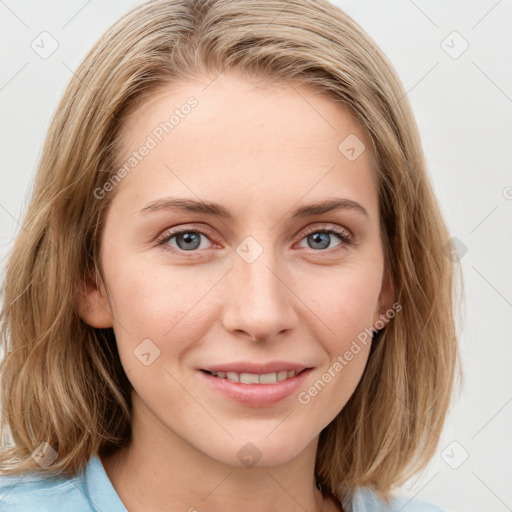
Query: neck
x: 159, y: 471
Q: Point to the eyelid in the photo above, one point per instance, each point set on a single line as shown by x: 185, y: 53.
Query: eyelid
x: 344, y: 232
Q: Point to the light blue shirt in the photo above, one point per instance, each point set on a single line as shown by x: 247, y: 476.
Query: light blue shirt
x: 92, y: 491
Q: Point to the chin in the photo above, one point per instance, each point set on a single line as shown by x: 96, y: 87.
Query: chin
x: 260, y: 450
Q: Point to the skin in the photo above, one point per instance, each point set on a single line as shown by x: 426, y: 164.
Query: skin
x: 259, y: 151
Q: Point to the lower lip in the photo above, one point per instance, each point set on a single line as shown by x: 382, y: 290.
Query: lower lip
x: 256, y: 395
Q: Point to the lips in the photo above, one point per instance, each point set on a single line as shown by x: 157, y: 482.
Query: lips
x: 252, y: 394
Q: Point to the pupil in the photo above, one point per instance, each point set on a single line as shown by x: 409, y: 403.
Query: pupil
x: 188, y: 237
x: 319, y: 238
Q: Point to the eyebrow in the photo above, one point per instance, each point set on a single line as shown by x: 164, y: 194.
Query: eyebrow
x: 217, y: 210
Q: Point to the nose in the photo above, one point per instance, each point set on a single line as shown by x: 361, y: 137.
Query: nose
x: 259, y: 303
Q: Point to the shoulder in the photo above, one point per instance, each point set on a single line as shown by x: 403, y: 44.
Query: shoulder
x: 32, y: 492
x: 365, y: 500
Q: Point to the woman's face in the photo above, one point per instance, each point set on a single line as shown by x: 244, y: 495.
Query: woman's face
x: 259, y: 282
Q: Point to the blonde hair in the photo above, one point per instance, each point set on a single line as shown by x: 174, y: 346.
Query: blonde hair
x: 62, y: 380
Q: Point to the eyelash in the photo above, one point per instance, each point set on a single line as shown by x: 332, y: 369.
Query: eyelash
x: 342, y: 234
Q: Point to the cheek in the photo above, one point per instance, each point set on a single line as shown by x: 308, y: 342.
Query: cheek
x: 345, y: 301
x: 168, y: 305
x: 344, y: 308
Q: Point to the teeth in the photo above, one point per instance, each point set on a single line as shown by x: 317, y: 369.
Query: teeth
x: 253, y: 378
x: 232, y: 376
x: 282, y: 375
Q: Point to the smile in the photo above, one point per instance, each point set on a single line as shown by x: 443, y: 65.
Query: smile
x: 255, y: 389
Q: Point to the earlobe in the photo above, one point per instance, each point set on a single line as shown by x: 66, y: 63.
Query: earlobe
x: 93, y: 306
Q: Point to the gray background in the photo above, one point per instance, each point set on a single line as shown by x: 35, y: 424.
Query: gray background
x: 463, y: 105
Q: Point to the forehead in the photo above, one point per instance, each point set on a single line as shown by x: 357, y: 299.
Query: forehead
x: 244, y: 140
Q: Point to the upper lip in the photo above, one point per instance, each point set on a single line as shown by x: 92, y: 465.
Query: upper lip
x: 261, y: 369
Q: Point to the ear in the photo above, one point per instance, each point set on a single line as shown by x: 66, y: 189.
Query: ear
x: 93, y: 305
x: 386, y: 297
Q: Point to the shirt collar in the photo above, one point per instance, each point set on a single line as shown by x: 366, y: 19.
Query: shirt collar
x: 99, y: 488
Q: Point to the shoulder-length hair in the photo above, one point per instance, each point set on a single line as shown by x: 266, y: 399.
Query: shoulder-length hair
x: 62, y: 380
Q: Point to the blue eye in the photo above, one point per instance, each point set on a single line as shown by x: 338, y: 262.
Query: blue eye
x: 189, y: 240
x: 320, y: 239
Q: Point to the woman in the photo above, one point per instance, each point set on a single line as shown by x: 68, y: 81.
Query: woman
x: 231, y: 289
